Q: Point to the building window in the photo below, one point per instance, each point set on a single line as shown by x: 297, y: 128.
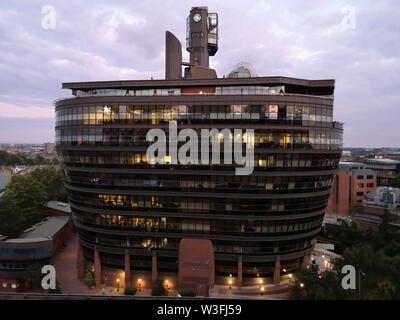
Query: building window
x: 4, y: 284
x: 360, y: 194
x: 370, y: 177
x: 14, y: 285
x: 360, y: 185
x: 360, y: 177
x: 370, y: 185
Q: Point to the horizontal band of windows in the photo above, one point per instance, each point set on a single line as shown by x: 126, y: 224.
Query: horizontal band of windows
x: 194, y: 101
x: 197, y: 172
x: 264, y: 184
x: 179, y: 225
x: 196, y: 195
x: 171, y: 169
x: 218, y: 256
x: 202, y: 207
x: 80, y: 208
x: 218, y: 189
x: 149, y: 179
x: 198, y: 235
x: 332, y: 154
x: 168, y: 246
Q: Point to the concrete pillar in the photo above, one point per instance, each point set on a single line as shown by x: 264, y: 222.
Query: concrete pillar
x: 81, y: 262
x: 305, y: 261
x: 154, y: 272
x: 240, y: 273
x: 97, y: 268
x: 127, y: 270
x: 277, y: 272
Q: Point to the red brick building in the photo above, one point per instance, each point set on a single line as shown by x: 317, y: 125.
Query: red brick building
x: 351, y: 185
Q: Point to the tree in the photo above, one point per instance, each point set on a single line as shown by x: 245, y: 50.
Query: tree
x: 375, y: 256
x: 53, y: 181
x: 158, y: 289
x: 22, y: 204
x: 130, y: 290
x: 395, y: 182
x: 89, y: 279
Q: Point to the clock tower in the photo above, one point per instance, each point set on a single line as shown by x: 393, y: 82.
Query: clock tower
x: 201, y: 35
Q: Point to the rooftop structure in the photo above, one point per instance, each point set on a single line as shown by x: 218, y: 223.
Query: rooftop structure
x: 46, y: 228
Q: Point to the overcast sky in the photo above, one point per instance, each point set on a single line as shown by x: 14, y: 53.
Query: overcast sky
x: 114, y: 40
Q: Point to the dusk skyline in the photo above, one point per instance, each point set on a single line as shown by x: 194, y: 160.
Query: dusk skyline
x: 125, y: 40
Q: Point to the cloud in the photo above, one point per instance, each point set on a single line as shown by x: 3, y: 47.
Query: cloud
x: 31, y: 112
x: 125, y: 40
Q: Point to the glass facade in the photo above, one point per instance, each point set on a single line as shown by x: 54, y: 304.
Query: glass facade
x: 122, y: 202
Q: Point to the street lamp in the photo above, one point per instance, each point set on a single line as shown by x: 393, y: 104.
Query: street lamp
x: 284, y: 270
x: 302, y: 285
x: 290, y: 277
x: 230, y: 284
x: 140, y: 284
x: 260, y: 281
x: 166, y: 284
x: 117, y: 284
x: 262, y: 290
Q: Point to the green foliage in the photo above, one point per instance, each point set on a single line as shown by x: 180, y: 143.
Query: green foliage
x: 312, y: 285
x: 358, y: 159
x: 89, y: 279
x: 158, y: 289
x: 130, y: 290
x: 186, y: 293
x: 375, y: 255
x: 9, y: 159
x: 395, y: 182
x: 22, y: 203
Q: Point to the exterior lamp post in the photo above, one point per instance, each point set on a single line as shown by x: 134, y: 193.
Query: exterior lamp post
x: 166, y: 284
x: 118, y: 285
x: 260, y: 281
x: 262, y: 290
x: 301, y: 285
x: 140, y: 284
x: 230, y: 284
x: 290, y: 277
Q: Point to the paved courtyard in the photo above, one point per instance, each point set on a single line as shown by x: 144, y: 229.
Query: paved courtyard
x: 66, y: 266
x: 67, y: 275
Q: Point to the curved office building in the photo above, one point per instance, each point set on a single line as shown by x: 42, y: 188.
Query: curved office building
x: 127, y: 206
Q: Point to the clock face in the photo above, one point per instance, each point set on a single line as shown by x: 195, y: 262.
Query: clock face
x: 196, y: 17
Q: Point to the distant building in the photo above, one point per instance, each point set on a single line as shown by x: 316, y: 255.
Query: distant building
x: 385, y: 169
x: 352, y: 182
x: 378, y: 203
x: 381, y: 200
x: 323, y: 258
x: 393, y: 155
x: 49, y: 147
x: 346, y: 156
